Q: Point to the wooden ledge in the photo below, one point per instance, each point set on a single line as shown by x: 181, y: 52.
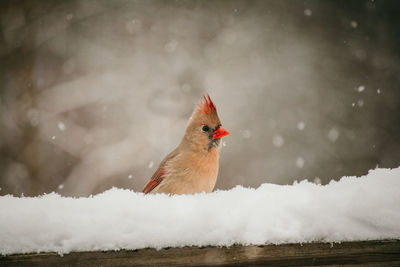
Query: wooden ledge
x: 362, y: 253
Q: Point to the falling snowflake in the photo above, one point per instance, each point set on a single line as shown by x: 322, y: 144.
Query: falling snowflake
x: 61, y: 126
x: 301, y: 125
x: 333, y: 134
x: 307, y: 12
x: 300, y: 162
x: 354, y: 24
x: 278, y: 140
x: 361, y: 88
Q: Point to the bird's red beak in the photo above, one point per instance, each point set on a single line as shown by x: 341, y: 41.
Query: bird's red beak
x: 219, y: 133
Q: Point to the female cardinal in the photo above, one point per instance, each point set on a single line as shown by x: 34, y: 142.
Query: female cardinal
x: 193, y: 166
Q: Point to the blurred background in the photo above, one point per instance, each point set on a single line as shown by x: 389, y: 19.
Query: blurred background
x: 95, y: 93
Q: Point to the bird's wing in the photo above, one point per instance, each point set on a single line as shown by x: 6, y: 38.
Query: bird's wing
x: 159, y: 175
x: 155, y: 180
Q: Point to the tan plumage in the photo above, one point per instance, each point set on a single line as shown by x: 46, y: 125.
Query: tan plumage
x: 193, y: 166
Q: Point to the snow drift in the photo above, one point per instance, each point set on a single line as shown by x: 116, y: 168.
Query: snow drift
x: 351, y: 209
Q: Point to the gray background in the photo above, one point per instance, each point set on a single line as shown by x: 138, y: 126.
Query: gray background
x: 94, y: 94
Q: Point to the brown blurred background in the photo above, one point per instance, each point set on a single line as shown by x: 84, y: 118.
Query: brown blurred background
x: 95, y: 93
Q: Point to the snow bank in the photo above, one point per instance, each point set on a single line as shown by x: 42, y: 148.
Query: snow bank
x: 351, y: 209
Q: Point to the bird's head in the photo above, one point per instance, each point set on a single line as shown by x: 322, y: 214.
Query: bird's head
x: 204, y: 130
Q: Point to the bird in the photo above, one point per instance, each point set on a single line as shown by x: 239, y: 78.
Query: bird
x: 193, y: 166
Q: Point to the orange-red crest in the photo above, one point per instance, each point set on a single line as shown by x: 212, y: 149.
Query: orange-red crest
x: 207, y: 106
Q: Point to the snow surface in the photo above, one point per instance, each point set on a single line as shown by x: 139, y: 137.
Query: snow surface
x: 351, y: 209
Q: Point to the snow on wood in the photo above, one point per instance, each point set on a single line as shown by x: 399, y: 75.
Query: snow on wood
x: 363, y: 208
x: 356, y: 253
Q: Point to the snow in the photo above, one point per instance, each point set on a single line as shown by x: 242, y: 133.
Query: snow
x: 352, y: 209
x: 61, y: 126
x: 300, y: 162
x: 307, y: 12
x: 361, y: 88
x: 333, y: 135
x: 301, y: 125
x: 317, y: 180
x: 278, y: 140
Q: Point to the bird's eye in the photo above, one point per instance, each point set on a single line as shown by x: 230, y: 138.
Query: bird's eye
x: 205, y: 128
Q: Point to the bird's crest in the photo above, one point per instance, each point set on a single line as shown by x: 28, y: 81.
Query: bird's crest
x: 207, y: 106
